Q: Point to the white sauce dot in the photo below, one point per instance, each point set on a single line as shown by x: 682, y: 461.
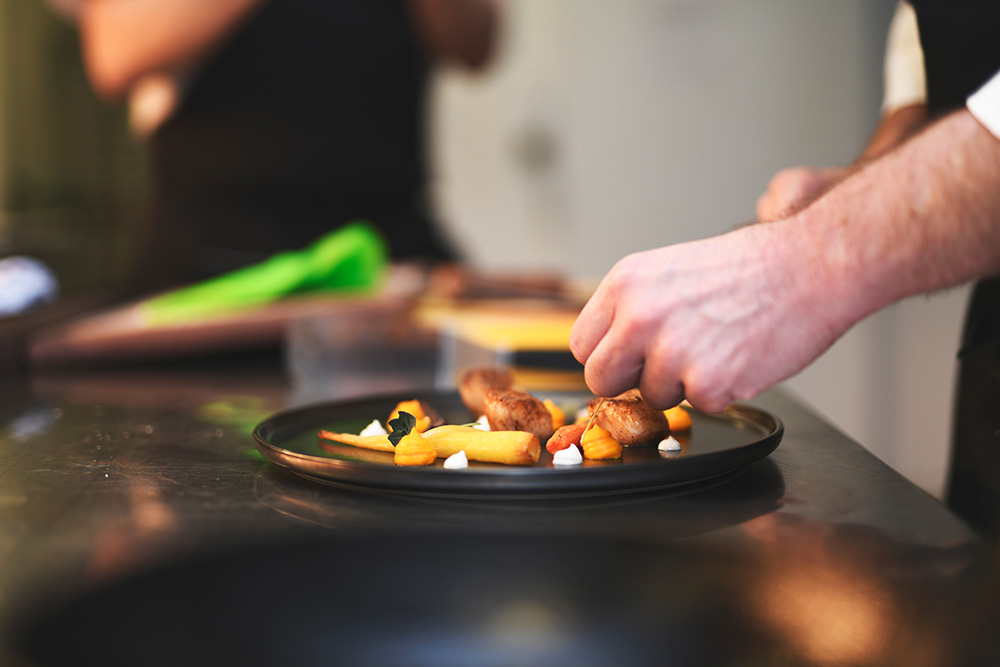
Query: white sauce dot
x: 570, y: 456
x: 375, y: 428
x: 457, y: 461
x: 669, y: 444
x: 483, y: 424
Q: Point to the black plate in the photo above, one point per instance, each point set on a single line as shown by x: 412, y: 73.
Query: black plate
x: 716, y: 445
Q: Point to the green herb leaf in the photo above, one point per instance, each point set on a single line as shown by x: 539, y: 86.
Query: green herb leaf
x: 401, y: 426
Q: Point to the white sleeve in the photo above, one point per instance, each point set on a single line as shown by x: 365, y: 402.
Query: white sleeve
x: 984, y: 105
x: 905, y: 81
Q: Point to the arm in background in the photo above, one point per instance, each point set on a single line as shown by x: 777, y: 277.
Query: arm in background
x: 904, y: 113
x: 123, y: 40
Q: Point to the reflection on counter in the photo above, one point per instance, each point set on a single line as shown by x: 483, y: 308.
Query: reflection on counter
x: 444, y: 598
x: 682, y: 511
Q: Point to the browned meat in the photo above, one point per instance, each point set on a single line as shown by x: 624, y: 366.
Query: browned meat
x: 630, y: 420
x: 474, y: 384
x: 434, y: 415
x: 513, y: 410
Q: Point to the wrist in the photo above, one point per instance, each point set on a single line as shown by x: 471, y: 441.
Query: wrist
x: 826, y: 272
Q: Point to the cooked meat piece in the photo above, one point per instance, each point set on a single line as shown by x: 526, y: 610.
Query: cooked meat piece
x: 474, y: 384
x: 630, y: 420
x: 433, y: 415
x: 513, y: 410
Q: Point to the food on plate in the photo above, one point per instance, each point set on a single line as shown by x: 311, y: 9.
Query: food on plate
x: 426, y: 416
x: 374, y: 428
x: 597, y: 443
x: 514, y: 410
x: 414, y: 449
x: 558, y: 416
x: 669, y: 444
x: 564, y: 437
x: 512, y: 424
x: 457, y: 461
x: 570, y: 456
x: 630, y: 420
x: 379, y: 443
x: 475, y: 383
x: 678, y: 418
x: 509, y: 447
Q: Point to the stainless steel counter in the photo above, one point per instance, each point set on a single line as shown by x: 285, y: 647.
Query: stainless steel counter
x: 146, y: 485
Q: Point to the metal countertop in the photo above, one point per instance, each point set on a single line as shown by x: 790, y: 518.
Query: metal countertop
x: 822, y: 554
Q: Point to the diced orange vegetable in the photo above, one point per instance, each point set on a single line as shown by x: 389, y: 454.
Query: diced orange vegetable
x: 415, y: 409
x: 558, y: 416
x: 564, y: 437
x: 679, y: 418
x: 414, y: 449
x: 597, y: 443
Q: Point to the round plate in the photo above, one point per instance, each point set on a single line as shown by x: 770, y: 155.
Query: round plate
x: 716, y: 444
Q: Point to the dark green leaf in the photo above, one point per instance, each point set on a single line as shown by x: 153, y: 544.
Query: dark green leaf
x: 401, y: 426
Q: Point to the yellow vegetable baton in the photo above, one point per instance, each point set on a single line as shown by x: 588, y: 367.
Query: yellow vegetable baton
x: 508, y: 447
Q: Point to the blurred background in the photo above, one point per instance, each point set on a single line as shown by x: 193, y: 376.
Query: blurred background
x: 602, y: 128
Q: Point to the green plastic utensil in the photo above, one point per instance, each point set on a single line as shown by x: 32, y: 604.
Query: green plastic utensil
x: 350, y: 259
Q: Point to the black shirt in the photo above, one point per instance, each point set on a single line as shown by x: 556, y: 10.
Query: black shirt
x: 311, y: 115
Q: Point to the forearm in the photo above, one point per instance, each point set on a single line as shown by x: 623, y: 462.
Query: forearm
x: 923, y: 217
x: 126, y: 39
x: 793, y: 189
x: 894, y: 128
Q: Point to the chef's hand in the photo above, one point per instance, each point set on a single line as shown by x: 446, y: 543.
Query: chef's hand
x: 790, y: 190
x: 712, y: 321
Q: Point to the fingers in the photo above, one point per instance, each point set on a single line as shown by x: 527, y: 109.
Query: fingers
x: 788, y: 191
x: 710, y: 400
x: 612, y: 355
x: 591, y: 326
x: 765, y: 207
x: 613, y: 367
x: 607, y: 364
x: 660, y: 385
x: 663, y: 385
x: 660, y: 395
x: 611, y: 336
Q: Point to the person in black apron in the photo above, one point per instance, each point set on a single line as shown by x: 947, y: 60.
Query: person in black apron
x: 307, y: 114
x: 974, y: 480
x: 727, y: 317
x: 960, y: 52
x: 961, y: 49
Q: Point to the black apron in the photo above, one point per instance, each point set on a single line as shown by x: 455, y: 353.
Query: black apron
x: 961, y: 48
x: 961, y: 44
x: 974, y: 479
x: 310, y: 115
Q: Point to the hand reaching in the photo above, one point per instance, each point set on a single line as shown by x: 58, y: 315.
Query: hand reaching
x: 730, y: 316
x: 790, y: 190
x: 712, y: 321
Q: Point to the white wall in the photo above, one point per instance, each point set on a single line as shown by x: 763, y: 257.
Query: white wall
x: 609, y: 126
